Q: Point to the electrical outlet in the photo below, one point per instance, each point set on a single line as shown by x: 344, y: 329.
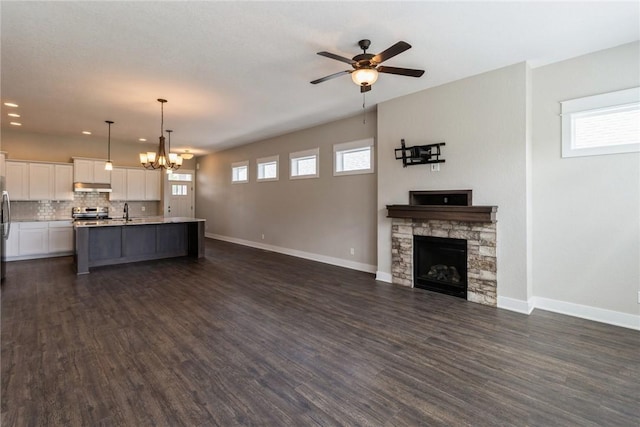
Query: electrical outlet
x: 435, y: 167
x: 352, y: 251
x: 143, y: 208
x: 262, y: 236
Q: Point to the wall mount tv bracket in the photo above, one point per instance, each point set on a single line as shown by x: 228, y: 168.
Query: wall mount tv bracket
x: 419, y: 154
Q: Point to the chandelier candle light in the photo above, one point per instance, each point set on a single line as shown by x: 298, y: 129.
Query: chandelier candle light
x: 159, y: 159
x: 108, y: 165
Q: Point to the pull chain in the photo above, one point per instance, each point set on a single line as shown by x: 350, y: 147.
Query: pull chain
x: 364, y: 111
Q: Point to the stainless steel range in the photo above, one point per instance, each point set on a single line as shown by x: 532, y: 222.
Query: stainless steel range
x: 85, y: 213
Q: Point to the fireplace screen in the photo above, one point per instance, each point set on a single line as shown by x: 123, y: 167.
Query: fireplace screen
x: 440, y: 265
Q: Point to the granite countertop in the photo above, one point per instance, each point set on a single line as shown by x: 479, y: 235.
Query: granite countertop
x: 41, y: 220
x: 135, y: 221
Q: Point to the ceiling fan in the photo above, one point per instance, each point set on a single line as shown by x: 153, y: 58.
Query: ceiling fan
x: 367, y: 66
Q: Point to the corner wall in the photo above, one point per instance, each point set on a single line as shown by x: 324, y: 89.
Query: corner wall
x: 482, y: 120
x: 318, y: 218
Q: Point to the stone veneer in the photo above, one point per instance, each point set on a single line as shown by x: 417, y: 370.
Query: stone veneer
x: 481, y: 253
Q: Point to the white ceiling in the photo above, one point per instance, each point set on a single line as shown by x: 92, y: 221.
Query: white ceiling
x: 236, y: 72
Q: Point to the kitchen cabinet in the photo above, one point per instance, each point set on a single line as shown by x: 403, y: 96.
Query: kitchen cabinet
x: 33, y: 238
x: 136, y: 183
x: 17, y: 180
x: 2, y: 160
x: 61, y: 238
x: 40, y: 239
x: 91, y: 171
x: 152, y: 184
x: 41, y: 181
x: 118, y: 184
x: 63, y: 182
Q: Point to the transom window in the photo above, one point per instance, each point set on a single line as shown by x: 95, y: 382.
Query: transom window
x: 354, y: 157
x: 240, y: 172
x: 304, y: 164
x: 601, y: 124
x: 180, y: 177
x: 268, y: 168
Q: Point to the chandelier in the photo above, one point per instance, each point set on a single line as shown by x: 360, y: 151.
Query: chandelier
x: 159, y: 159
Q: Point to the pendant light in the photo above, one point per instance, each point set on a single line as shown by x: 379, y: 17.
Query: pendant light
x: 108, y: 166
x: 159, y: 159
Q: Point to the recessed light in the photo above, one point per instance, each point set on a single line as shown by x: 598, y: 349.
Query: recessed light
x: 10, y: 104
x: 86, y: 132
x: 16, y: 124
x: 13, y: 115
x: 142, y: 139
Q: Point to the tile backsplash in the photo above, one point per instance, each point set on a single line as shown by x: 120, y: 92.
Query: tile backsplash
x: 50, y: 210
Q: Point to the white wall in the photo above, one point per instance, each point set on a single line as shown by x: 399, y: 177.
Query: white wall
x: 586, y: 209
x: 318, y: 218
x: 482, y: 120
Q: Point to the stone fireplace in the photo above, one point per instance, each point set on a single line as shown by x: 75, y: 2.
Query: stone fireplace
x: 448, y: 215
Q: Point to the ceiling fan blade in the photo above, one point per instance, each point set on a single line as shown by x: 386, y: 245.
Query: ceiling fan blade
x: 365, y: 88
x: 337, y: 57
x: 330, y: 76
x: 394, y: 50
x: 401, y: 71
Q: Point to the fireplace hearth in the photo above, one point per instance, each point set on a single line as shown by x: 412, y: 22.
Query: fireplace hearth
x: 440, y: 265
x: 451, y: 216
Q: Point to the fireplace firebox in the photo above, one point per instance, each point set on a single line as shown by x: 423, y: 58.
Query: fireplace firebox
x: 440, y: 265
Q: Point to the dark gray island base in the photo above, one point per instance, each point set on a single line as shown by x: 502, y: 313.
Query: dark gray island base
x: 117, y: 242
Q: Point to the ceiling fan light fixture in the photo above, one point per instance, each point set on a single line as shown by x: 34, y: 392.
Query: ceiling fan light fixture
x: 364, y: 76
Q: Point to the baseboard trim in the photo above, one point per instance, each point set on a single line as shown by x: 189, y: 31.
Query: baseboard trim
x: 381, y: 276
x: 631, y: 321
x: 517, y: 305
x: 353, y: 265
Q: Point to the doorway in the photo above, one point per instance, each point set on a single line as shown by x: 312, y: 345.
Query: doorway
x: 179, y: 194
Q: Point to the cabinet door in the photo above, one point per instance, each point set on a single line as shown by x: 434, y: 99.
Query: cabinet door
x: 41, y: 177
x: 13, y: 242
x: 100, y: 175
x: 34, y: 238
x: 63, y: 182
x: 17, y: 180
x: 60, y: 238
x: 82, y: 170
x: 2, y: 159
x: 152, y: 184
x: 118, y: 184
x: 135, y: 184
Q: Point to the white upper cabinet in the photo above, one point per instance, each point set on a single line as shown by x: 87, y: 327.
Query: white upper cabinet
x: 91, y: 171
x: 41, y: 181
x: 63, y: 183
x: 136, y: 183
x: 17, y: 180
x: 118, y: 184
x: 152, y: 184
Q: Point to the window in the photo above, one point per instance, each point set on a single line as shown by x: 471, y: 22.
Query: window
x: 601, y: 124
x: 268, y: 168
x: 354, y: 157
x: 304, y: 164
x: 240, y: 172
x: 178, y: 189
x: 179, y: 177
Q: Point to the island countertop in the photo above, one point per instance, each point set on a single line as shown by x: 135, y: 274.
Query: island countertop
x: 135, y: 221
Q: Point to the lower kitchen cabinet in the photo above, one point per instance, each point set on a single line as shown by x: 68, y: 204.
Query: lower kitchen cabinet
x: 40, y: 239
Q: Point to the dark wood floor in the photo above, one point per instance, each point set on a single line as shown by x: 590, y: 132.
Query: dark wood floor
x: 247, y: 337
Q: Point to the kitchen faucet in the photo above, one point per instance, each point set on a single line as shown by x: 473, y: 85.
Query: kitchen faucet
x: 125, y: 215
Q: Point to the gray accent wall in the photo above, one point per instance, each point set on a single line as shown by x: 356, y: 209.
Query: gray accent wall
x: 320, y: 218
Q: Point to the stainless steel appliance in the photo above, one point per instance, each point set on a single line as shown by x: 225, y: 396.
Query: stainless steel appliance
x: 5, y: 221
x: 89, y: 213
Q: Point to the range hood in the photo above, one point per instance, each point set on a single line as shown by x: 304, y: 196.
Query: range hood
x: 86, y: 187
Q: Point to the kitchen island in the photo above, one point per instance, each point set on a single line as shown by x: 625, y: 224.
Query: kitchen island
x: 116, y: 241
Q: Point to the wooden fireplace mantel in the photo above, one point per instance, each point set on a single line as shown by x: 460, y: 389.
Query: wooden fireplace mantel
x: 448, y: 213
